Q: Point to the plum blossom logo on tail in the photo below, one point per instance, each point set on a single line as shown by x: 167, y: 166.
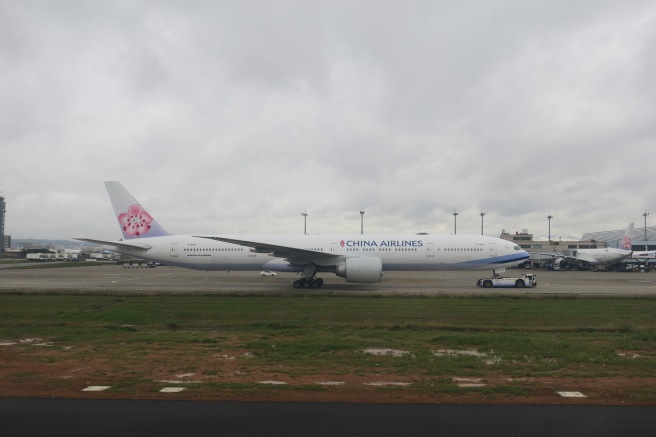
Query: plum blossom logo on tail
x: 136, y: 222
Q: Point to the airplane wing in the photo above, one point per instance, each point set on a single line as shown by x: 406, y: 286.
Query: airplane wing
x: 292, y: 254
x: 134, y: 244
x: 587, y: 258
x: 559, y: 256
x: 573, y: 259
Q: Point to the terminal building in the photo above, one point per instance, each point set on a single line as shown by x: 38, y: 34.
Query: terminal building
x: 5, y: 241
x: 536, y: 248
x: 541, y: 251
x: 643, y: 238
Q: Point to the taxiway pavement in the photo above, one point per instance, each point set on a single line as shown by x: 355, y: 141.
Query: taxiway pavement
x: 112, y: 278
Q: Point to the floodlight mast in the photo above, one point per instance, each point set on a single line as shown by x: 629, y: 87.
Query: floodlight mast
x: 362, y: 222
x: 2, y: 221
x: 549, y: 217
x: 645, y: 214
x: 305, y: 216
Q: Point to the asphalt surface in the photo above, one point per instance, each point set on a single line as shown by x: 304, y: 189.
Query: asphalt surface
x: 73, y: 417
x: 173, y: 280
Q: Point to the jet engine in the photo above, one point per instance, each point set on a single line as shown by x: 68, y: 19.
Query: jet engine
x: 364, y: 269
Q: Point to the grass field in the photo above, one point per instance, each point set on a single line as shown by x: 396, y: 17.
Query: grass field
x: 389, y: 349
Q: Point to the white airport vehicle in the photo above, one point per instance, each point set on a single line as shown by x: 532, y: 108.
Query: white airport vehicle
x: 357, y: 258
x: 268, y: 273
x: 525, y: 280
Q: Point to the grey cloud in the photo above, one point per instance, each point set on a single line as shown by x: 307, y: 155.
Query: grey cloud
x: 236, y: 116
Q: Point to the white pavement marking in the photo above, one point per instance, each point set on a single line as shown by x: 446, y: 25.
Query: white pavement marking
x: 469, y: 382
x: 571, y: 394
x: 96, y: 388
x: 172, y: 389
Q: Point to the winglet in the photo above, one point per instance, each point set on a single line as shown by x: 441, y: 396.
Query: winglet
x: 134, y: 220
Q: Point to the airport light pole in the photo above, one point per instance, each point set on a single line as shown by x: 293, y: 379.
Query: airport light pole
x: 455, y: 222
x: 305, y: 216
x: 549, y: 217
x: 482, y: 215
x: 362, y: 222
x: 645, y: 216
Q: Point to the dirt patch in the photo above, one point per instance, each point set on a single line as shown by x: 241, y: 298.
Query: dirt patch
x: 28, y: 370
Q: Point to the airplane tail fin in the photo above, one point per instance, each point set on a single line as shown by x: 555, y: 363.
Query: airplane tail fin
x: 134, y: 220
x: 627, y: 241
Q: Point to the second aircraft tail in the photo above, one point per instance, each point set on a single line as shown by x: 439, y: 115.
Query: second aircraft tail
x: 134, y: 220
x: 627, y: 241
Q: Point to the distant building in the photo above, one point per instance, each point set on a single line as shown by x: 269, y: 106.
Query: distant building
x: 613, y: 238
x: 2, y: 224
x: 526, y: 242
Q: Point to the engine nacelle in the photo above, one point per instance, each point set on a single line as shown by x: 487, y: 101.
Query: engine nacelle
x: 364, y: 269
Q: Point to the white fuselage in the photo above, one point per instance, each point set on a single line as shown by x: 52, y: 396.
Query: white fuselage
x: 602, y: 256
x: 397, y: 252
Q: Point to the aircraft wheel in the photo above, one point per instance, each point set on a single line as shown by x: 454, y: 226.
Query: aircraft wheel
x: 297, y: 284
x: 316, y: 284
x: 320, y: 281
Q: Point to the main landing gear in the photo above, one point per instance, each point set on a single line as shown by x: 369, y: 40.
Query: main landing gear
x: 312, y: 282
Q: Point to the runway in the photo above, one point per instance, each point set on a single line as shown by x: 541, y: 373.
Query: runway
x: 112, y: 278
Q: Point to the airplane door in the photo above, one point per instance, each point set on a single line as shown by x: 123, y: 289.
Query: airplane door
x: 174, y: 250
x: 492, y: 250
x: 430, y: 250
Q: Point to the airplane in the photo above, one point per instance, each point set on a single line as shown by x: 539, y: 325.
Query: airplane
x: 604, y: 256
x: 356, y: 258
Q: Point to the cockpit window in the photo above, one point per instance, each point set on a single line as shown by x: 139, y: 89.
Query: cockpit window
x: 516, y: 247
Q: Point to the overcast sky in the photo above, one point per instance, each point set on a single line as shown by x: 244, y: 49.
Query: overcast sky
x: 236, y: 116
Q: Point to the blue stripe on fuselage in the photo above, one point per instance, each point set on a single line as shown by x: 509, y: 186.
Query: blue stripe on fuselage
x: 499, y: 259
